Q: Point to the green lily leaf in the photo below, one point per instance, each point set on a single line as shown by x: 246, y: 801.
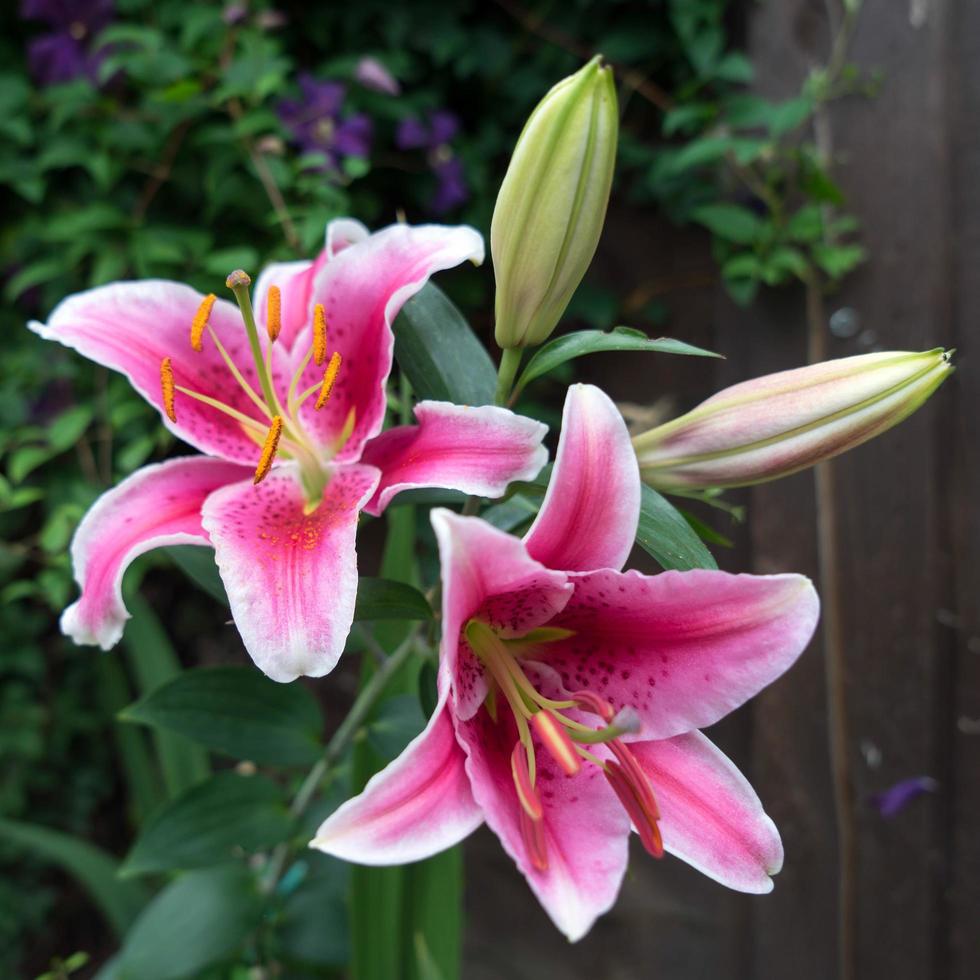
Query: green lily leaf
x: 120, y: 901
x: 583, y: 342
x: 664, y: 534
x: 239, y: 711
x: 210, y: 824
x: 437, y: 349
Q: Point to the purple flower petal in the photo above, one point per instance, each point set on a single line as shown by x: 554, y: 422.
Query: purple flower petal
x: 451, y: 188
x: 411, y: 134
x: 352, y: 137
x: 56, y: 58
x: 373, y: 75
x: 890, y: 802
x: 443, y: 127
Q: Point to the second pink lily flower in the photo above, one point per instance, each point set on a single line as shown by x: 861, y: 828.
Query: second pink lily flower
x: 284, y: 533
x: 571, y: 694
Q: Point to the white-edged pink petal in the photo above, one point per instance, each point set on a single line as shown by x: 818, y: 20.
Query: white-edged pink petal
x: 590, y: 513
x: 291, y: 576
x: 156, y: 506
x: 585, y: 828
x: 362, y: 288
x: 295, y: 281
x: 132, y: 326
x: 487, y: 574
x: 417, y: 806
x: 682, y: 648
x: 710, y: 816
x: 342, y: 232
x: 476, y: 450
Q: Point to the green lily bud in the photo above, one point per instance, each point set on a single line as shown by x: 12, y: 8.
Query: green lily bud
x: 776, y: 425
x: 551, y: 205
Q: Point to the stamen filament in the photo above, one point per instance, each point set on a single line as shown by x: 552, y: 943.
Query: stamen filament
x: 200, y: 321
x: 240, y: 417
x: 167, y: 384
x: 268, y: 451
x: 291, y: 404
x: 238, y: 376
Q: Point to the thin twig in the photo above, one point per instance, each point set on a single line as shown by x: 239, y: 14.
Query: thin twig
x: 268, y: 182
x: 161, y: 173
x: 338, y: 745
x: 535, y: 24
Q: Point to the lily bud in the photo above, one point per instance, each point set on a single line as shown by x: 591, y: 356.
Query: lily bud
x: 781, y: 423
x: 552, y: 203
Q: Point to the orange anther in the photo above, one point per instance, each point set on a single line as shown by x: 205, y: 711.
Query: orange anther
x: 319, y: 334
x: 167, y: 384
x: 268, y: 450
x: 273, y: 319
x: 200, y: 321
x: 329, y: 377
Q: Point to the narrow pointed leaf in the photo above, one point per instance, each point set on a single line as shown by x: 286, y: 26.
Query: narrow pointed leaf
x: 154, y: 662
x: 583, y: 342
x: 239, y: 711
x: 211, y: 823
x: 382, y: 598
x: 200, y: 918
x: 437, y: 349
x: 665, y: 535
x: 97, y: 872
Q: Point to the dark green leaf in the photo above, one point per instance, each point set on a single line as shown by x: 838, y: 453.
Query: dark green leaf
x: 732, y: 222
x: 239, y: 711
x: 435, y: 902
x: 838, y: 260
x: 395, y: 724
x: 120, y: 901
x: 198, y: 564
x: 313, y: 926
x: 211, y: 823
x: 380, y: 598
x: 198, y: 919
x: 666, y: 535
x: 154, y: 663
x: 583, y: 342
x: 437, y: 349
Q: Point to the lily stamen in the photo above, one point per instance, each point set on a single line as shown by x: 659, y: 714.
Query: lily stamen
x: 167, y: 384
x: 557, y: 742
x: 273, y: 314
x: 329, y: 377
x: 319, y: 334
x: 268, y: 451
x: 526, y: 792
x: 200, y: 321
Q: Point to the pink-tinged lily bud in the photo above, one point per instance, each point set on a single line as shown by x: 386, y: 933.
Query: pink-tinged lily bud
x: 782, y: 423
x: 552, y: 203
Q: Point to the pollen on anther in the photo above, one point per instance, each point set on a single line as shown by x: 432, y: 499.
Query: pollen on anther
x: 268, y: 450
x: 273, y: 318
x: 319, y: 334
x: 329, y: 377
x: 167, y: 384
x: 200, y: 321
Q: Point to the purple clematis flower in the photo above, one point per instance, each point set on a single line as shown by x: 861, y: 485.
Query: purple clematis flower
x: 316, y: 124
x: 891, y: 801
x: 434, y: 135
x: 64, y: 53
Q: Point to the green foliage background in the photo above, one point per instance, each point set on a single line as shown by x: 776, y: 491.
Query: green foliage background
x: 178, y: 166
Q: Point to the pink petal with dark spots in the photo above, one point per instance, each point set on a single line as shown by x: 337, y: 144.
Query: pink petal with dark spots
x: 682, y: 648
x: 156, y: 506
x: 291, y: 577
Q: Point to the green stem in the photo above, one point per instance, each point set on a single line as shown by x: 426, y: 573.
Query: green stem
x: 338, y: 745
x: 510, y: 361
x: 239, y: 283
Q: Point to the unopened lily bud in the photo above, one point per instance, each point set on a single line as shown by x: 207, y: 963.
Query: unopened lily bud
x: 551, y: 205
x: 781, y: 423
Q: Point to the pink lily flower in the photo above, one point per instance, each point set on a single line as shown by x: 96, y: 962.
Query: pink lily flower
x: 292, y: 444
x: 571, y: 694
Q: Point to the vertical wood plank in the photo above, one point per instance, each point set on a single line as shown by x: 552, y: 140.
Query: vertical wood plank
x: 959, y: 446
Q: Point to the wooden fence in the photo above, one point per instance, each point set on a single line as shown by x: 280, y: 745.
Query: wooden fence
x: 894, y: 549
